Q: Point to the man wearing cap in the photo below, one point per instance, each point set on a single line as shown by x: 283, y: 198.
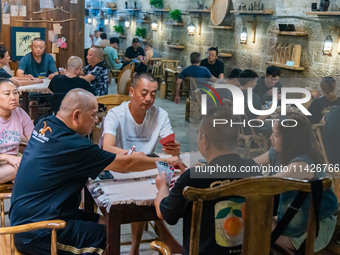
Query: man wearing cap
x: 132, y: 54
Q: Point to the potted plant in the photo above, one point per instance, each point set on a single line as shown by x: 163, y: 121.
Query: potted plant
x: 120, y: 30
x: 176, y: 15
x: 156, y: 3
x: 141, y: 32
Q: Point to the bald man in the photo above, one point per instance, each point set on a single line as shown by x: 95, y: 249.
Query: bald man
x: 55, y: 166
x: 61, y: 84
x: 95, y: 72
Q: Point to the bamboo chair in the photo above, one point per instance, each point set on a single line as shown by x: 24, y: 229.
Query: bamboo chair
x: 170, y: 77
x: 259, y: 193
x: 193, y: 102
x: 252, y: 143
x: 113, y: 73
x: 156, y: 68
x: 7, y: 239
x: 125, y: 78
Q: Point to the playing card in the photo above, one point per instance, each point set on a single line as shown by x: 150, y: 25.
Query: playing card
x: 168, y: 169
x: 167, y: 139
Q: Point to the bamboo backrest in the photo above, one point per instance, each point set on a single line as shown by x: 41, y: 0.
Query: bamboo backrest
x: 125, y: 78
x: 259, y: 194
x: 108, y: 63
x: 171, y: 64
x: 10, y: 231
x: 317, y: 129
x: 156, y: 69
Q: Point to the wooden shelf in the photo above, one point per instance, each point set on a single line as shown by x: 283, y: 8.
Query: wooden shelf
x: 143, y: 21
x: 225, y: 55
x: 328, y: 13
x: 132, y: 10
x: 178, y: 47
x: 174, y: 23
x: 292, y: 33
x: 293, y: 68
x: 199, y: 10
x: 162, y: 10
x: 222, y: 27
x: 113, y: 9
x: 267, y: 12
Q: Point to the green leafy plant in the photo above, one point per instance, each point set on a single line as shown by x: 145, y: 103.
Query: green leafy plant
x: 119, y: 29
x: 141, y: 32
x: 156, y: 3
x: 176, y: 15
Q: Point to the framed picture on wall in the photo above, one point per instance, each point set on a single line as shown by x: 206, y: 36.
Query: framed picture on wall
x: 21, y: 39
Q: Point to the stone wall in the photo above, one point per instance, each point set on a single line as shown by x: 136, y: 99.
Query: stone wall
x: 250, y: 55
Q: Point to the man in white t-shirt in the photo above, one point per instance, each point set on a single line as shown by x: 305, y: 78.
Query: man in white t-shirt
x: 139, y: 123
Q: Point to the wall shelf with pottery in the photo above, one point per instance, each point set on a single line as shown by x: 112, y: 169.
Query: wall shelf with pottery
x: 293, y: 68
x: 291, y: 33
x: 225, y: 55
x: 178, y: 47
x: 161, y: 10
x: 266, y: 12
x: 222, y: 27
x: 320, y: 13
x: 199, y: 10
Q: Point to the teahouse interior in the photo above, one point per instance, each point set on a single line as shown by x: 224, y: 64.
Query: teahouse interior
x: 295, y: 36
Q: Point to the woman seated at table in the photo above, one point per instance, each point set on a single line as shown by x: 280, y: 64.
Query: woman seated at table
x: 328, y: 99
x: 295, y: 147
x: 15, y: 124
x: 19, y: 81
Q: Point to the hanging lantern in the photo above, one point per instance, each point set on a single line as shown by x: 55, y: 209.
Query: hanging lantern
x: 328, y: 45
x: 127, y: 24
x: 191, y: 29
x: 154, y: 25
x: 243, y: 36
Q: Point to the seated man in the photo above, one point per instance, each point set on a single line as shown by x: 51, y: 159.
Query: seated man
x: 19, y: 81
x: 104, y: 41
x: 60, y: 85
x: 37, y: 63
x: 233, y: 77
x: 58, y: 161
x: 140, y: 123
x: 149, y: 53
x: 194, y: 71
x: 218, y: 145
x: 133, y: 53
x: 95, y: 72
x: 265, y: 85
x: 215, y: 66
x: 112, y: 55
x: 96, y: 38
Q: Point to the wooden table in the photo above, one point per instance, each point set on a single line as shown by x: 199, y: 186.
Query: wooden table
x: 118, y: 207
x: 39, y: 88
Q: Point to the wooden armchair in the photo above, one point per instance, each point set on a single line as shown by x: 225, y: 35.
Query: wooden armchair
x: 156, y: 68
x: 125, y: 78
x: 7, y: 239
x: 170, y: 77
x: 259, y: 195
x: 193, y: 102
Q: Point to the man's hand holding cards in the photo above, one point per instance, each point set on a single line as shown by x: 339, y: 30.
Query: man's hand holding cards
x: 170, y: 145
x: 168, y: 169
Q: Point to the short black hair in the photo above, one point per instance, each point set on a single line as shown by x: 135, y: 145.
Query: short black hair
x: 3, y: 51
x: 235, y: 73
x: 214, y: 48
x: 138, y: 77
x: 246, y: 76
x: 273, y: 71
x: 101, y: 29
x: 135, y: 40
x: 114, y: 40
x: 103, y: 36
x: 195, y: 58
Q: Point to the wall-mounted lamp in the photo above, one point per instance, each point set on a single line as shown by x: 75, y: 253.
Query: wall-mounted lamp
x: 106, y: 21
x: 154, y: 25
x: 191, y: 29
x: 127, y: 24
x: 328, y: 45
x: 244, y: 35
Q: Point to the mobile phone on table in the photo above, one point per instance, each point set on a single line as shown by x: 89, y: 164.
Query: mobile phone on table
x: 105, y: 175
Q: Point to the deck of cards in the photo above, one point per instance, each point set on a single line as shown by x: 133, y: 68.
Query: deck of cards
x: 167, y: 139
x: 168, y: 169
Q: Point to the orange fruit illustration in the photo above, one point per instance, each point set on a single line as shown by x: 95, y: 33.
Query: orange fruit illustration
x: 233, y: 226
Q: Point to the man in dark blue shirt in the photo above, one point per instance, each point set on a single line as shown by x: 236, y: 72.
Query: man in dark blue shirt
x: 37, y: 63
x: 331, y: 136
x: 193, y: 71
x: 55, y: 166
x: 218, y: 145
